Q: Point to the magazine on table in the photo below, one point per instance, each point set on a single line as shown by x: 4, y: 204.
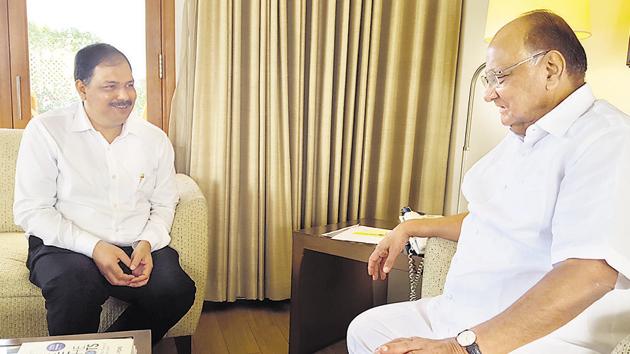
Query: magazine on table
x: 80, y: 346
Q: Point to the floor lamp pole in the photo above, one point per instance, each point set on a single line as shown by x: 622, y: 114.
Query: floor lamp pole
x: 469, y: 113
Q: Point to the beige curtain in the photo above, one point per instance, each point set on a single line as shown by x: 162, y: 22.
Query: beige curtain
x: 297, y: 113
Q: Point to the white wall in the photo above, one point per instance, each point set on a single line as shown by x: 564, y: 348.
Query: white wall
x: 607, y: 50
x: 486, y: 130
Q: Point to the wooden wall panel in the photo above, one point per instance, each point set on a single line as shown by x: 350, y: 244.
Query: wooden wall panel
x: 18, y: 40
x: 153, y: 49
x: 6, y: 112
x: 168, y: 50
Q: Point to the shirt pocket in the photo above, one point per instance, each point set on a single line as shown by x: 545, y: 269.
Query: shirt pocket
x: 146, y: 185
x: 528, y: 199
x: 485, y: 179
x: 478, y: 188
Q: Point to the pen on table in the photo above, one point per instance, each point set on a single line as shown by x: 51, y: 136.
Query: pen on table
x: 370, y: 233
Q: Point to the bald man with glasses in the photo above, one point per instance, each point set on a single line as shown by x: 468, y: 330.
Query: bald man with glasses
x: 542, y: 261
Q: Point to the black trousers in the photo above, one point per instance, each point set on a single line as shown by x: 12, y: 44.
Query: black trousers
x: 75, y: 290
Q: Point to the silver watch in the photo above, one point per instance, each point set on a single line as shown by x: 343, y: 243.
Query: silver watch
x: 467, y: 339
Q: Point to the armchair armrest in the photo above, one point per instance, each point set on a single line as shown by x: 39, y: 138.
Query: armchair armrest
x: 189, y: 236
x: 437, y: 260
x: 623, y: 347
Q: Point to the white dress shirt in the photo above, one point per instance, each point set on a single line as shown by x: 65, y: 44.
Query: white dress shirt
x: 562, y: 191
x: 73, y: 188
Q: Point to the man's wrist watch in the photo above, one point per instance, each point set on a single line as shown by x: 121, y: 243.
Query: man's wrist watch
x: 467, y: 339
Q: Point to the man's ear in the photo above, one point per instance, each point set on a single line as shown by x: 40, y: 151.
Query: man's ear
x: 555, y: 67
x: 81, y: 89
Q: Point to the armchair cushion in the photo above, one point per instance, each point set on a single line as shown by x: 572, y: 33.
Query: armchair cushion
x: 623, y: 347
x: 22, y: 312
x: 189, y: 236
x: 9, y: 146
x: 437, y: 260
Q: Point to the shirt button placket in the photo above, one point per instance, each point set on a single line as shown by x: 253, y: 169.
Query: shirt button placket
x: 113, y: 189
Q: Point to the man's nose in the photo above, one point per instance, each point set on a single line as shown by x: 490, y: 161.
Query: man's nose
x: 123, y: 93
x: 490, y: 93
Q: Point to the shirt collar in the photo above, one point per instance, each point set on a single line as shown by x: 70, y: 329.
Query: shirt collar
x: 81, y: 122
x: 131, y: 126
x: 561, y: 118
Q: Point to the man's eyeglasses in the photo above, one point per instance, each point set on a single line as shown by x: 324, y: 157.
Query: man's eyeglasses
x: 491, y: 78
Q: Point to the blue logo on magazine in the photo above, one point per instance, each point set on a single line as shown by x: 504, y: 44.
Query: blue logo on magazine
x: 53, y: 347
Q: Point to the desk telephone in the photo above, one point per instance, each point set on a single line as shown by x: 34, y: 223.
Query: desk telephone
x: 414, y: 249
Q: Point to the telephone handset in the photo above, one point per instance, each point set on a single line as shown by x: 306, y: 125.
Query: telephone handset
x: 414, y: 250
x: 415, y: 246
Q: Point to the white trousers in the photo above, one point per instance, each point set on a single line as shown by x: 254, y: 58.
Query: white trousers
x: 382, y: 324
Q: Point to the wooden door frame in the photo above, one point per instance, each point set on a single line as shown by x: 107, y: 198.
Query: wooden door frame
x: 19, y: 63
x: 6, y: 105
x: 160, y: 50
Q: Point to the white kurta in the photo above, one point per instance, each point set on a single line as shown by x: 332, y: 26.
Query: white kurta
x: 562, y: 191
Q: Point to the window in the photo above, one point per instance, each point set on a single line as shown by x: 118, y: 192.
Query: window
x: 38, y: 40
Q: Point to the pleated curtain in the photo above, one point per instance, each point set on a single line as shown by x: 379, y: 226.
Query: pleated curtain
x: 291, y: 114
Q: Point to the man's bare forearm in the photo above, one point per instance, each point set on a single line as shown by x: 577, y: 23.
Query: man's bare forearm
x: 447, y: 227
x: 561, y: 295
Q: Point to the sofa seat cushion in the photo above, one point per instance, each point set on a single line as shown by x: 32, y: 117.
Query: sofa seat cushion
x: 19, y: 295
x: 14, y: 275
x: 9, y: 146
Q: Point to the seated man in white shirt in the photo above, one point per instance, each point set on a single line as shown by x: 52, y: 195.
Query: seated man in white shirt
x: 542, y: 261
x: 95, y: 192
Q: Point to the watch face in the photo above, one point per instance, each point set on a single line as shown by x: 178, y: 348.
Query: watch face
x: 466, y: 338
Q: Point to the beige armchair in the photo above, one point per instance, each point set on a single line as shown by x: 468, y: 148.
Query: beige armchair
x: 437, y: 260
x: 22, y: 312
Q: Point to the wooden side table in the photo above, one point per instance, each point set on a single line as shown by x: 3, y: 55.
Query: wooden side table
x: 330, y: 285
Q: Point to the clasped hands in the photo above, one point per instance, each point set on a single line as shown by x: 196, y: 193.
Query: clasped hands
x: 107, y: 258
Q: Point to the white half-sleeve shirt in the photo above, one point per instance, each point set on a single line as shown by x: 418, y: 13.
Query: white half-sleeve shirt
x: 73, y: 188
x: 561, y: 191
